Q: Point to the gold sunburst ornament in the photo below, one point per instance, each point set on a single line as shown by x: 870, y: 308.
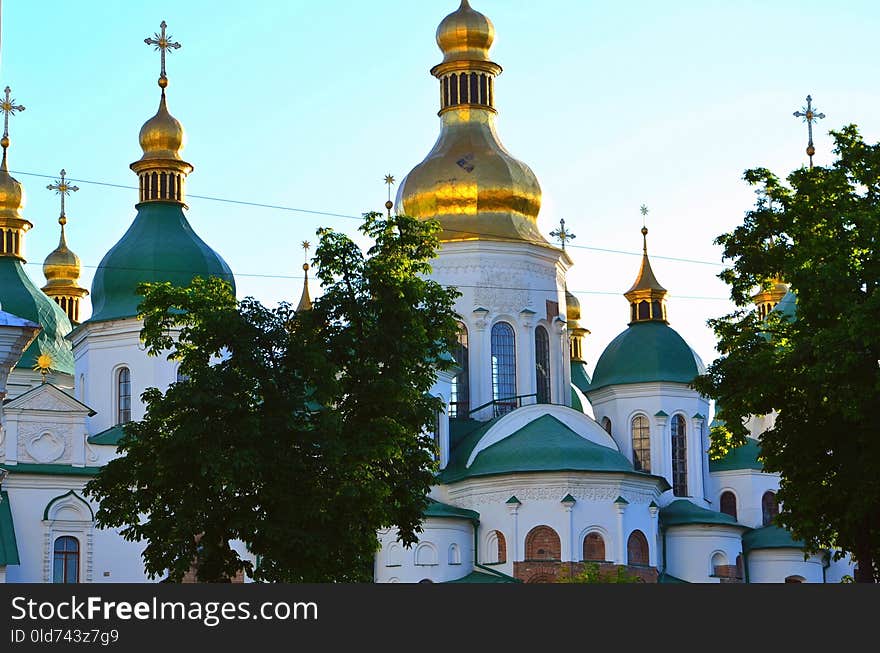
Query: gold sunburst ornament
x: 43, y: 365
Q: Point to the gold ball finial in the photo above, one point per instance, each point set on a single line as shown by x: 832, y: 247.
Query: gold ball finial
x: 4, y: 142
x: 811, y: 150
x: 163, y: 83
x: 644, y: 231
x: 389, y: 205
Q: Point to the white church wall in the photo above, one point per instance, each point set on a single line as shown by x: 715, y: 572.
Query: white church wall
x: 692, y: 551
x: 748, y: 486
x: 100, y: 350
x: 444, y: 552
x: 775, y: 565
x: 622, y: 403
x: 508, y: 282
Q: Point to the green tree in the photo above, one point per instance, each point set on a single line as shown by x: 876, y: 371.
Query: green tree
x: 298, y: 433
x: 593, y: 573
x: 819, y: 370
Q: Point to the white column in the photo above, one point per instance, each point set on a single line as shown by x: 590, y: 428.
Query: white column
x: 661, y: 447
x: 526, y: 383
x: 513, y: 507
x: 568, y: 555
x: 480, y: 361
x: 695, y: 460
x: 652, y: 543
x: 620, y: 506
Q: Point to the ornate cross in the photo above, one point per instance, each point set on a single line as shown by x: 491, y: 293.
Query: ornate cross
x: 62, y: 188
x: 306, y: 245
x: 809, y: 115
x: 8, y: 107
x: 162, y: 42
x: 562, y: 234
x: 389, y: 180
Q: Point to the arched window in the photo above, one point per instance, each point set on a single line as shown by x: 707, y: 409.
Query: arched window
x: 542, y: 364
x: 641, y: 444
x: 503, y: 368
x: 594, y: 548
x: 484, y: 95
x: 454, y: 554
x: 542, y: 543
x: 769, y: 507
x: 460, y: 400
x: 453, y: 88
x: 637, y: 549
x: 606, y: 424
x: 795, y: 579
x: 445, y: 83
x: 644, y: 310
x: 394, y: 556
x: 718, y: 564
x: 426, y: 554
x: 496, y: 549
x: 728, y: 503
x: 123, y: 395
x: 475, y: 85
x: 679, y: 457
x: 65, y: 567
x: 657, y: 310
x: 463, y: 88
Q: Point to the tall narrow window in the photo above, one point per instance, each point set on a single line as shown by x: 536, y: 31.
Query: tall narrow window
x: 606, y: 424
x: 503, y: 368
x: 769, y: 507
x: 679, y: 457
x: 542, y: 364
x: 460, y: 400
x: 641, y: 443
x: 728, y: 503
x: 463, y: 88
x: 475, y: 89
x: 65, y: 567
x: 637, y: 549
x: 453, y: 88
x: 594, y: 547
x: 484, y: 93
x: 123, y: 402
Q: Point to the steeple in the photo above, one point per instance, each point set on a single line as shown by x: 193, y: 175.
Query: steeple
x: 766, y: 300
x: 469, y: 182
x: 161, y: 170
x: 12, y: 225
x: 305, y: 301
x: 647, y: 298
x: 576, y: 333
x: 62, y: 267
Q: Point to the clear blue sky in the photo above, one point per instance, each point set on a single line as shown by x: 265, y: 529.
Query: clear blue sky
x: 309, y: 104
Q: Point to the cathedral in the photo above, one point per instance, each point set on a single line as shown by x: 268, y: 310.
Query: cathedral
x: 543, y: 469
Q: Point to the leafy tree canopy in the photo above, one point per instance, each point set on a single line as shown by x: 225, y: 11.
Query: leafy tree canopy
x: 298, y: 433
x: 818, y: 371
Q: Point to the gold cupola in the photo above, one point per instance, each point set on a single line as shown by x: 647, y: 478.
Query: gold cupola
x: 647, y: 298
x: 468, y: 181
x: 62, y: 267
x: 161, y: 170
x: 12, y: 224
x: 576, y: 333
x: 766, y: 300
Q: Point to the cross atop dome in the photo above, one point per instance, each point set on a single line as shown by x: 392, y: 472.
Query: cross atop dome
x: 162, y: 43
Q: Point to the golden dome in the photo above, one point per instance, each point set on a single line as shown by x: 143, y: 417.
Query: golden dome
x: 465, y: 34
x: 11, y: 193
x: 572, y: 307
x: 61, y: 267
x: 162, y: 136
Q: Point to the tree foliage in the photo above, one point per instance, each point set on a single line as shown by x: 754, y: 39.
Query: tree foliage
x: 298, y: 433
x: 592, y: 573
x: 818, y: 371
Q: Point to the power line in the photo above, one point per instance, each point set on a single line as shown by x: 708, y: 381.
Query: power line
x: 280, y: 207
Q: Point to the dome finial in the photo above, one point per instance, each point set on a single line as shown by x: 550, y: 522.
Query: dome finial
x: 389, y: 181
x: 647, y: 297
x: 11, y: 192
x: 62, y: 267
x: 161, y: 169
x: 305, y: 301
x: 9, y: 108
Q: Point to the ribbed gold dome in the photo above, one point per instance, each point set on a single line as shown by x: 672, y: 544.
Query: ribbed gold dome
x: 465, y: 34
x: 572, y: 307
x: 12, y: 195
x: 162, y: 136
x: 61, y: 267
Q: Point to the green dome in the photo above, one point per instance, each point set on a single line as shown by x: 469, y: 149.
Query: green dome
x: 645, y: 352
x: 787, y: 305
x: 160, y: 245
x: 682, y: 512
x: 19, y: 296
x: 770, y: 537
x: 742, y: 457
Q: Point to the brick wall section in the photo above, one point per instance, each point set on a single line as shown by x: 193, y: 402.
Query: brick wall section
x: 547, y: 571
x: 542, y: 543
x: 728, y: 574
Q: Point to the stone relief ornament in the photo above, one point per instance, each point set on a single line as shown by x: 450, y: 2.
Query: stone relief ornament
x: 45, y: 447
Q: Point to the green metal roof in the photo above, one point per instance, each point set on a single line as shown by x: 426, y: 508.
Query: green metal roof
x: 8, y: 545
x: 513, y: 501
x: 575, y: 400
x: 770, y: 537
x: 545, y: 444
x: 579, y: 376
x: 480, y: 577
x: 19, y: 296
x: 108, y: 436
x: 438, y: 509
x: 160, y: 245
x: 51, y: 470
x: 742, y: 457
x: 645, y: 352
x: 682, y: 511
x: 670, y: 579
